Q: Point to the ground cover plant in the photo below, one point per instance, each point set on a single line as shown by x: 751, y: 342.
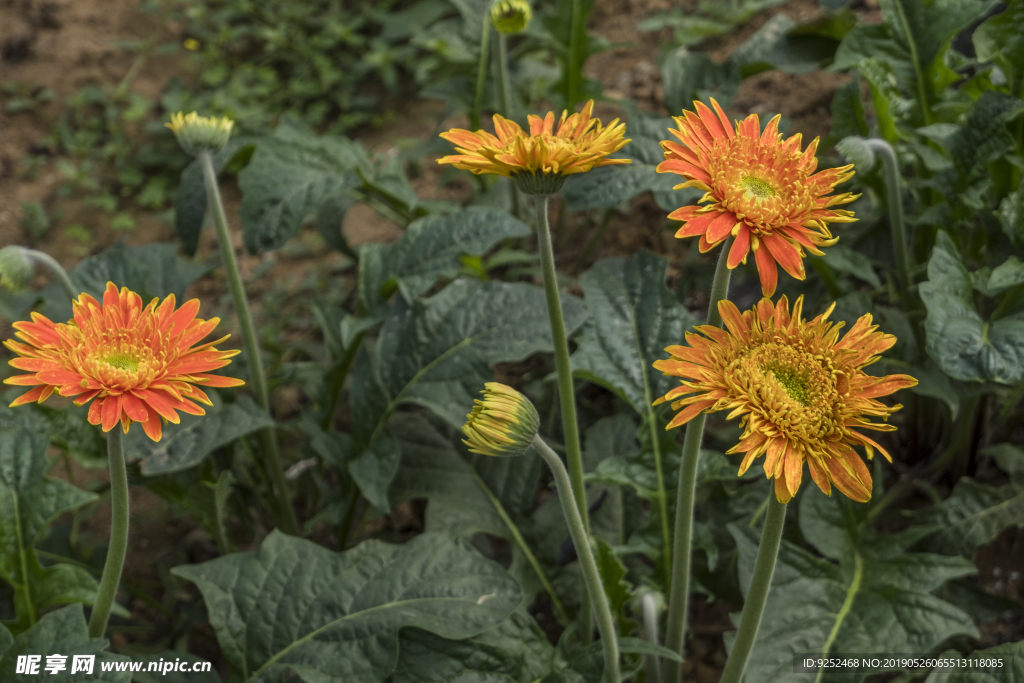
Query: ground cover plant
x: 623, y: 387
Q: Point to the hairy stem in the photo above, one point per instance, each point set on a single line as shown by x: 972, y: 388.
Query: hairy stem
x: 54, y: 267
x: 272, y: 460
x: 682, y: 547
x: 118, y: 546
x: 753, y: 606
x: 481, y: 73
x: 591, y: 576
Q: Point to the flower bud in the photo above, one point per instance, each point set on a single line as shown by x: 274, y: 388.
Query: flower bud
x: 200, y: 133
x: 15, y: 268
x: 511, y: 16
x: 502, y: 424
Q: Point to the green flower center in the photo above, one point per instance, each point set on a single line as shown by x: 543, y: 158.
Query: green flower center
x: 757, y: 189
x: 794, y: 385
x: 122, y: 362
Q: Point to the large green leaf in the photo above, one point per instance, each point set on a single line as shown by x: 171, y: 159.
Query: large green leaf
x: 289, y: 178
x: 876, y: 600
x: 292, y: 605
x: 963, y: 344
x: 514, y: 651
x: 633, y: 317
x: 438, y: 355
x: 186, y: 444
x: 974, y: 515
x: 612, y: 186
x: 689, y: 76
x: 29, y: 501
x: 783, y: 44
x: 983, y: 136
x: 1000, y: 39
x: 63, y: 632
x: 431, y: 247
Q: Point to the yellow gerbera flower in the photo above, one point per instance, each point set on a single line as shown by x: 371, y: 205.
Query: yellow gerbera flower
x: 138, y: 363
x: 758, y: 189
x: 501, y: 425
x: 802, y: 393
x: 538, y: 161
x: 197, y: 133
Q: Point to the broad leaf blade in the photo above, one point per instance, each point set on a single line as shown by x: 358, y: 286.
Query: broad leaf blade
x: 336, y: 616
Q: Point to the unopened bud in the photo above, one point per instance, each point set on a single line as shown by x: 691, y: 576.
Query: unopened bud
x: 200, y: 133
x: 502, y: 424
x: 511, y: 16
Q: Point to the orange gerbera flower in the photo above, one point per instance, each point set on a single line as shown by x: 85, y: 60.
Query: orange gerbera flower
x: 579, y: 145
x: 758, y: 189
x: 138, y: 363
x: 802, y: 393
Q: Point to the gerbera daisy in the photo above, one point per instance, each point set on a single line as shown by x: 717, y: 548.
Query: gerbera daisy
x: 502, y: 424
x: 538, y: 161
x: 801, y: 393
x: 758, y: 189
x: 139, y: 364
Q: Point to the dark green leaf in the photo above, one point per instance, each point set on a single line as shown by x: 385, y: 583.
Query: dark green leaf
x: 633, y: 317
x: 848, y: 117
x: 613, y: 574
x: 186, y: 444
x: 1000, y: 39
x: 1012, y: 670
x: 292, y: 605
x: 974, y: 515
x: 694, y: 76
x: 780, y: 44
x: 846, y: 260
x: 190, y: 199
x: 62, y: 632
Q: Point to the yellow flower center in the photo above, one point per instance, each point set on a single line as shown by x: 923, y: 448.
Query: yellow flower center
x: 122, y: 361
x: 757, y: 189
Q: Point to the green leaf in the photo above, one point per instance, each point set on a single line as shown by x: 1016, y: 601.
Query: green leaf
x: 190, y: 199
x: 613, y: 574
x: 514, y: 651
x: 68, y: 428
x: 963, y: 344
x: 847, y: 260
x: 430, y: 248
x: 1011, y: 216
x: 1010, y: 459
x: 848, y: 117
x: 290, y: 176
x: 62, y: 632
x: 983, y: 136
x: 973, y: 515
x: 186, y: 444
x: 633, y: 317
x: 438, y: 354
x: 1000, y: 39
x: 883, y: 588
x: 1007, y: 274
x: 1011, y: 656
x: 689, y: 76
x: 29, y: 501
x: 292, y: 605
x: 783, y: 44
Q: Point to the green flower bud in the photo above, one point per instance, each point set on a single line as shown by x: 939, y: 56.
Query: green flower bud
x: 501, y: 425
x: 511, y: 16
x: 200, y: 133
x: 15, y: 268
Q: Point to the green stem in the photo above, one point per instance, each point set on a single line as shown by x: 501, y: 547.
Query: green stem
x: 54, y: 267
x: 481, y: 73
x: 753, y: 606
x: 679, y: 592
x: 563, y: 615
x: 649, y: 611
x: 591, y: 577
x: 272, y: 462
x: 566, y: 394
x: 118, y: 546
x: 891, y: 174
x: 337, y: 379
x: 851, y: 593
x: 575, y: 69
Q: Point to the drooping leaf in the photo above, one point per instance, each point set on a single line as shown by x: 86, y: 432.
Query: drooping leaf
x: 430, y: 248
x: 292, y: 605
x: 963, y: 344
x: 514, y: 651
x: 185, y: 445
x: 438, y: 354
x: 633, y: 317
x: 62, y: 632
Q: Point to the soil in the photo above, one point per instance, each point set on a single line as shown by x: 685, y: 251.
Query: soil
x: 65, y: 45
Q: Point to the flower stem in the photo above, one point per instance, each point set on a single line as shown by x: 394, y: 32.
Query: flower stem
x: 679, y: 592
x: 481, y: 73
x: 55, y: 268
x: 891, y: 174
x: 272, y: 462
x: 566, y: 394
x: 591, y: 577
x: 649, y: 609
x: 753, y: 606
x: 118, y: 545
